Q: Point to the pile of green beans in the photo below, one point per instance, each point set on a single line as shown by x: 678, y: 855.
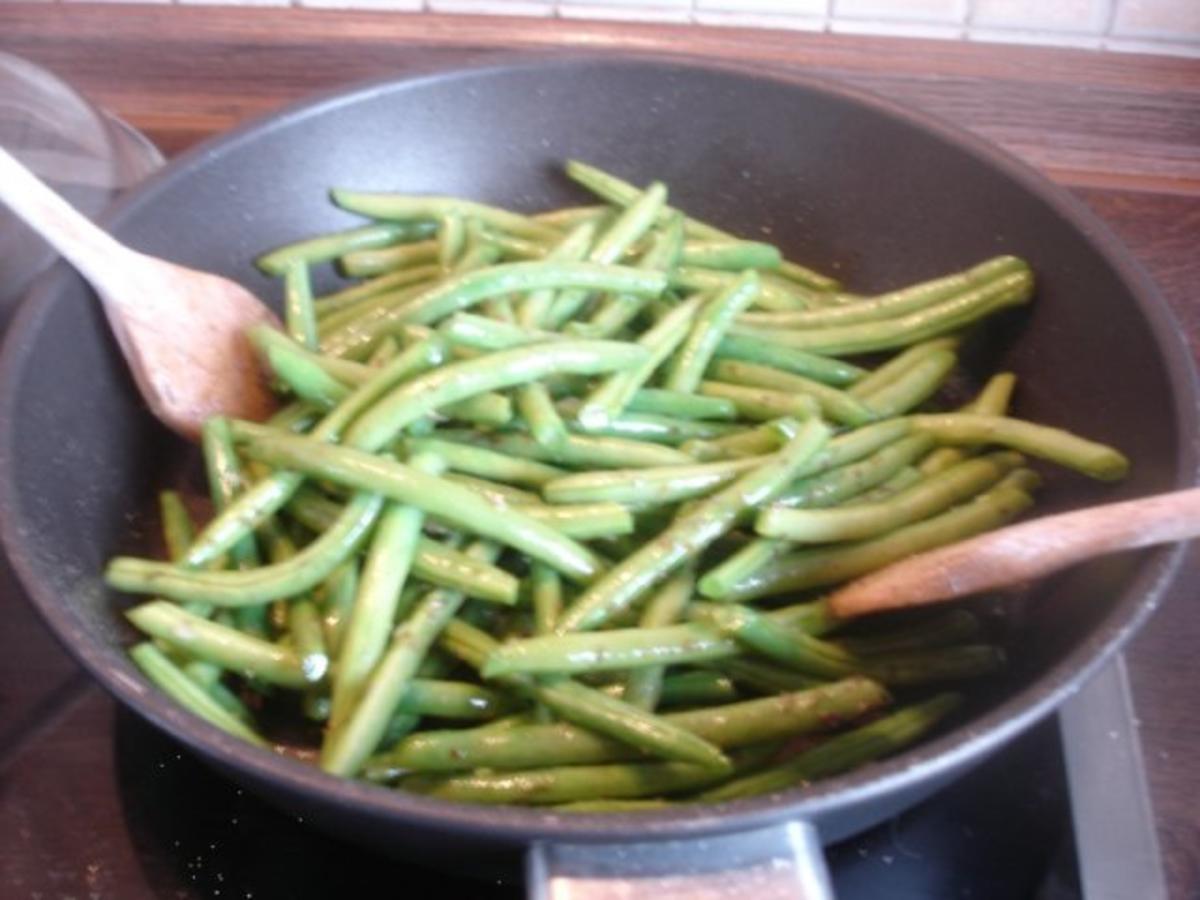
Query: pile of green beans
x: 547, y: 509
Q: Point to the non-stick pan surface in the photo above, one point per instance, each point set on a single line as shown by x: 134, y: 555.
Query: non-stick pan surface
x: 845, y: 182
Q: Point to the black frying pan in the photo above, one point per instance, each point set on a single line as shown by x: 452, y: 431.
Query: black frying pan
x: 843, y: 181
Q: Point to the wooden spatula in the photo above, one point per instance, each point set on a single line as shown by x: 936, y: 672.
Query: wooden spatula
x: 1021, y: 552
x: 181, y: 331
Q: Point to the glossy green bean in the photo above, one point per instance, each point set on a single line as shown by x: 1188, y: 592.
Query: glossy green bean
x: 299, y: 315
x: 388, y: 283
x: 252, y: 586
x: 418, y: 397
x: 842, y: 752
x: 929, y: 496
x: 694, y: 689
x: 912, y: 387
x: 644, y: 686
x: 893, y: 303
x: 815, y: 567
x: 658, y: 401
x: 486, y: 463
x: 932, y: 321
x: 608, y: 400
x: 730, y: 726
x: 690, y: 533
x: 825, y: 369
x: 663, y: 485
x: 1087, y: 457
x: 384, y: 574
x: 368, y: 262
x: 404, y: 208
x: 463, y: 291
x: 836, y: 405
x: 172, y: 681
x: 459, y: 700
x: 734, y: 256
x: 535, y: 305
x: 760, y: 404
x: 536, y: 407
x: 577, y: 451
x: 325, y: 247
x: 213, y: 642
x: 438, y: 497
x: 689, y: 362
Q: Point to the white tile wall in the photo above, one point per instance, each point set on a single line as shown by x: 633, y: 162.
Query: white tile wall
x: 1169, y: 27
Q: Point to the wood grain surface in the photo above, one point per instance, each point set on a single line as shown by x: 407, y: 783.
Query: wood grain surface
x: 1122, y: 130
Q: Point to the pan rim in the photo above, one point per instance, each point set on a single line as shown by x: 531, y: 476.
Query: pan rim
x: 961, y: 745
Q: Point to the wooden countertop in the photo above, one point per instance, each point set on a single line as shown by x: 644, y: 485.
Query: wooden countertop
x: 1121, y: 131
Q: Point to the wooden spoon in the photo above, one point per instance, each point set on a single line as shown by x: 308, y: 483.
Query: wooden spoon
x: 181, y: 331
x: 1022, y: 552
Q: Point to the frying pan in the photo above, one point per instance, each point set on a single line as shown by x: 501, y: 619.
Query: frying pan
x: 879, y: 195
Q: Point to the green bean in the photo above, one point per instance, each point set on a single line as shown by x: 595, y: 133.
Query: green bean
x: 252, y: 586
x: 757, y: 441
x: 658, y: 429
x: 772, y: 292
x: 634, y: 221
x: 489, y: 409
x: 688, y: 365
x: 304, y: 373
x: 171, y: 680
x: 835, y: 372
x: 422, y: 395
x: 325, y: 247
x: 384, y: 574
x: 735, y: 256
x: 617, y: 311
x: 788, y: 646
x: 570, y: 216
x: 644, y: 687
x: 836, y: 405
x: 577, y: 451
x: 451, y: 239
x: 658, y: 401
x: 548, y: 786
x: 436, y: 496
x: 533, y: 309
x: 689, y: 534
x: 219, y: 644
x: 377, y: 305
x: 299, y: 315
x: 255, y: 505
x: 951, y: 627
x: 922, y: 667
x: 366, y: 262
x: 513, y: 247
x: 537, y: 410
x: 177, y: 525
x: 828, y: 488
x: 305, y: 626
x: 337, y: 595
x: 992, y: 400
x: 385, y: 351
x: 842, y: 752
x: 927, y: 497
x: 892, y: 303
x: 437, y: 563
x: 767, y: 677
x: 664, y: 485
x: 815, y: 567
x: 637, y: 804
x: 388, y: 283
x: 463, y: 291
x: 912, y: 387
x: 486, y: 463
x: 857, y: 469
x: 546, y: 593
x: 1053, y: 444
x: 621, y: 193
x: 349, y: 743
x: 482, y: 333
x: 698, y: 688
x: 403, y: 208
x: 493, y: 491
x: 937, y: 319
x: 762, y: 405
x: 583, y: 521
x: 590, y: 708
x: 731, y: 726
x: 609, y: 399
x: 454, y: 700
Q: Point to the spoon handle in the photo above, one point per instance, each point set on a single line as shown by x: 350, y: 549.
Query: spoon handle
x: 1021, y: 553
x: 89, y: 249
